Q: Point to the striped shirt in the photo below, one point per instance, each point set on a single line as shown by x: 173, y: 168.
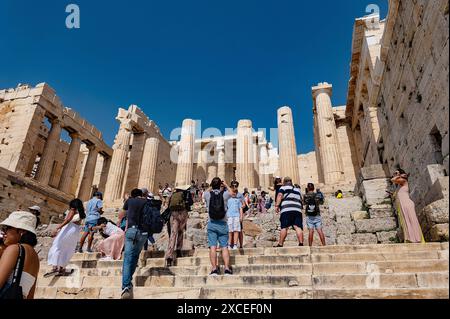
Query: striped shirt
x: 292, y: 199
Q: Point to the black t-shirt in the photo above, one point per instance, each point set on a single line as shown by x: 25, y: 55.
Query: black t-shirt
x: 134, y: 208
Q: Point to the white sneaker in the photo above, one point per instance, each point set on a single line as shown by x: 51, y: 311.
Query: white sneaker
x: 235, y: 247
x: 107, y: 258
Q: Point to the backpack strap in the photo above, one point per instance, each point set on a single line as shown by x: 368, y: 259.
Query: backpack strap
x: 17, y: 277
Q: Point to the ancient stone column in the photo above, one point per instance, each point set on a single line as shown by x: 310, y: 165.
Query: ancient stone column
x: 330, y: 156
x: 88, y: 175
x: 104, y: 174
x: 221, y: 165
x: 48, y: 157
x: 244, y: 154
x: 70, y: 165
x: 264, y: 167
x: 186, y: 152
x: 149, y: 164
x: 288, y: 162
x: 116, y: 177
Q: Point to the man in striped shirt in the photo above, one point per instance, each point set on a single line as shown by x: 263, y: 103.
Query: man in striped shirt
x: 289, y: 204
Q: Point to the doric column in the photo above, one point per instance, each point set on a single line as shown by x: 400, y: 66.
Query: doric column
x: 264, y: 167
x: 221, y: 165
x: 104, y: 174
x: 70, y: 165
x: 149, y: 164
x: 288, y: 162
x: 186, y: 154
x: 244, y: 154
x: 88, y: 175
x: 48, y: 157
x: 330, y: 156
x: 116, y: 176
x: 212, y: 172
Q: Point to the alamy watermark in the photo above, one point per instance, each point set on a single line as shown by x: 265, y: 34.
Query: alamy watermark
x: 73, y: 19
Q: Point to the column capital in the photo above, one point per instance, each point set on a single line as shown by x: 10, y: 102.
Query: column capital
x: 55, y: 121
x: 92, y: 147
x: 322, y: 88
x: 75, y: 136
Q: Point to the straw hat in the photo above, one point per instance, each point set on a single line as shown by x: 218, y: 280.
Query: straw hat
x: 183, y: 187
x: 21, y: 220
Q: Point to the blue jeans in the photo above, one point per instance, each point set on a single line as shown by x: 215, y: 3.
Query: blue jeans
x: 134, y: 242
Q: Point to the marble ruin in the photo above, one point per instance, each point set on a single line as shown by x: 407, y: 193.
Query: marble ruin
x: 396, y: 115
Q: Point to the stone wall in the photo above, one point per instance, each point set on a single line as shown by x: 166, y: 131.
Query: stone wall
x: 414, y: 94
x: 308, y: 168
x: 19, y: 193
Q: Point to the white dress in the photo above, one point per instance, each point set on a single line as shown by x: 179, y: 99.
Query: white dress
x: 64, y: 245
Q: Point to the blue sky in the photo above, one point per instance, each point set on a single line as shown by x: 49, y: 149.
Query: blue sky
x: 215, y: 61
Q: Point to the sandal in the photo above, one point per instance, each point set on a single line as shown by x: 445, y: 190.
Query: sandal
x: 51, y: 273
x: 278, y: 246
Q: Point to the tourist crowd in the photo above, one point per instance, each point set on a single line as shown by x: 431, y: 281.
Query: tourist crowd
x: 143, y: 215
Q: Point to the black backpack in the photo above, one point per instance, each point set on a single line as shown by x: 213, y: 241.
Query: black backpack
x: 151, y: 221
x: 216, y: 206
x: 312, y: 204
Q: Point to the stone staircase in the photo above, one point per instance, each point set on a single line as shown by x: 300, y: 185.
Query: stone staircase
x: 332, y: 272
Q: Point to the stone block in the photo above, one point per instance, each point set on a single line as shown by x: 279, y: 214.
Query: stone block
x: 374, y: 192
x: 376, y: 225
x: 360, y: 215
x: 381, y: 211
x: 437, y: 212
x: 389, y: 237
x: 345, y: 227
x: 345, y: 239
x: 439, y: 233
x: 374, y: 172
x: 364, y: 239
x: 251, y: 229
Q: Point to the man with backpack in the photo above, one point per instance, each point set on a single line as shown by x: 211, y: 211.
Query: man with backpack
x: 179, y: 205
x: 135, y: 238
x: 217, y: 226
x: 289, y: 206
x: 312, y: 201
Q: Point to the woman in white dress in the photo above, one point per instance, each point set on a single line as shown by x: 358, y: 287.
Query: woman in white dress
x: 111, y: 247
x: 67, y: 236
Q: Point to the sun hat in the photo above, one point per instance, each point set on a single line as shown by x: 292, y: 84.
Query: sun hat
x: 35, y: 208
x: 183, y: 187
x: 21, y: 220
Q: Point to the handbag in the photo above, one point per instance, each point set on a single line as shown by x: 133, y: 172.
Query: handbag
x: 166, y: 215
x: 14, y: 291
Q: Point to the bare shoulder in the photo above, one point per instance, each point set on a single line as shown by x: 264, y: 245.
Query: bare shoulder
x: 11, y: 252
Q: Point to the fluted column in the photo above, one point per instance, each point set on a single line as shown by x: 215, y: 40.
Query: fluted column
x: 149, y: 164
x: 104, y: 173
x: 264, y: 167
x: 70, y: 165
x: 48, y: 157
x: 330, y: 156
x: 244, y: 154
x: 287, y: 146
x: 221, y: 166
x: 186, y: 154
x: 117, y: 170
x: 88, y: 175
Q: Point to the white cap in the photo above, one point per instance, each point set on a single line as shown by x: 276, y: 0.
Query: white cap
x: 21, y: 220
x: 35, y: 208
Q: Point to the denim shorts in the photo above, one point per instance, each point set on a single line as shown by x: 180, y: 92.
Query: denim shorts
x: 88, y: 224
x: 217, y: 234
x: 314, y: 222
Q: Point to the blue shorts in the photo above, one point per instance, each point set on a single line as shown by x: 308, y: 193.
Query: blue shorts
x: 88, y: 224
x: 217, y: 234
x: 291, y: 219
x: 314, y: 222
